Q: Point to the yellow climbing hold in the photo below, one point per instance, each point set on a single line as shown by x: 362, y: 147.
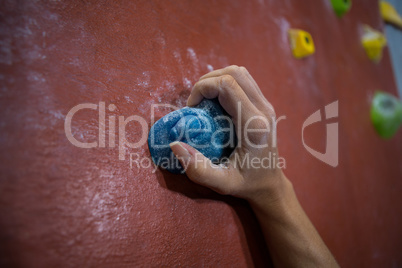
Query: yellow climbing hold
x: 389, y: 14
x: 373, y: 42
x: 301, y: 43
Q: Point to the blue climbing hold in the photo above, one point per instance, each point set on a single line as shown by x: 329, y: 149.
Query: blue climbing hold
x: 206, y: 127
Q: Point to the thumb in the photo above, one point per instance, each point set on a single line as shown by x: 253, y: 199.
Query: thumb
x: 200, y: 169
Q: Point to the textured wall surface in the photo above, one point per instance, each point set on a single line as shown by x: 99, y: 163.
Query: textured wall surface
x: 64, y: 206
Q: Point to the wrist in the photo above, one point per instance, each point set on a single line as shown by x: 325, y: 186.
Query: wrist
x: 272, y: 198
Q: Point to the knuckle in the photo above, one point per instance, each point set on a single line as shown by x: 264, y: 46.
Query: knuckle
x: 271, y: 117
x: 269, y: 111
x: 243, y: 70
x: 227, y: 81
x: 208, y: 92
x: 260, y: 122
x: 235, y: 70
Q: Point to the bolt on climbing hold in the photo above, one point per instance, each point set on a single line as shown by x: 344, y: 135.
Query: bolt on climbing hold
x: 373, y: 42
x: 389, y: 14
x: 386, y: 114
x: 301, y: 43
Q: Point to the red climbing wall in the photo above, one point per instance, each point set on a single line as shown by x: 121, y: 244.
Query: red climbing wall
x: 64, y: 206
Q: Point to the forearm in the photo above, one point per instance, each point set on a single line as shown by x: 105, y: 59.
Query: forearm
x: 291, y: 237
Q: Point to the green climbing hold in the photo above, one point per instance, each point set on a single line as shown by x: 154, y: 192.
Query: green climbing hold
x: 386, y: 114
x: 341, y: 6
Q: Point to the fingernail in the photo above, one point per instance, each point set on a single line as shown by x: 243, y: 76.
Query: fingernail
x: 191, y: 102
x: 179, y: 150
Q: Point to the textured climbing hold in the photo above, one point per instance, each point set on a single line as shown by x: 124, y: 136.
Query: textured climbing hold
x: 373, y: 42
x: 206, y: 127
x: 389, y: 14
x: 386, y: 114
x: 301, y: 43
x: 341, y: 7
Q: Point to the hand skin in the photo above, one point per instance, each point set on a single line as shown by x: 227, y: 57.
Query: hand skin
x: 290, y: 236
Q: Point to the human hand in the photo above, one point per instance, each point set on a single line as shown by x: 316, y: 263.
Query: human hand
x: 290, y: 236
x: 252, y: 170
